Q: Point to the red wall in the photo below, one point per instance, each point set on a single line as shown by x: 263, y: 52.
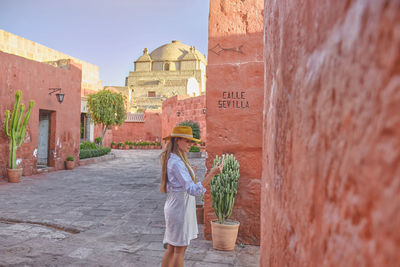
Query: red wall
x: 331, y: 163
x: 34, y: 79
x: 235, y: 64
x: 149, y: 130
x: 190, y: 108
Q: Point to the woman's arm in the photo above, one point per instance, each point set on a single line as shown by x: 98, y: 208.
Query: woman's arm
x: 214, y: 171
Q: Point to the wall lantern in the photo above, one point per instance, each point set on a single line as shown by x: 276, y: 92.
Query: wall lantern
x: 204, y: 110
x: 59, y: 95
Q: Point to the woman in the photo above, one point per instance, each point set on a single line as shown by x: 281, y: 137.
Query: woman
x: 179, y: 181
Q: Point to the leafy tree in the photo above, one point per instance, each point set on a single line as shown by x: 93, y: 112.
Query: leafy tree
x: 107, y: 109
x: 194, y: 125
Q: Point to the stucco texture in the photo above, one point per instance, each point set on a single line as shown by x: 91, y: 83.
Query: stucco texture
x: 148, y: 130
x: 189, y: 108
x: 234, y: 103
x: 331, y: 153
x: 34, y: 80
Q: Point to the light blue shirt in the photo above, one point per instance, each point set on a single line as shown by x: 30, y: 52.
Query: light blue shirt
x: 179, y: 178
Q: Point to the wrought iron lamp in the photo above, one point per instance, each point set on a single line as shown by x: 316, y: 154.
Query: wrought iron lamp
x: 59, y: 95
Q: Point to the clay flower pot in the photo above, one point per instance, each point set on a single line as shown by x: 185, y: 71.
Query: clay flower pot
x: 200, y: 213
x: 14, y: 175
x: 224, y: 235
x: 69, y: 165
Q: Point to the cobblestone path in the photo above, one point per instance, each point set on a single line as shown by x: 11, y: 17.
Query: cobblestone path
x: 104, y: 214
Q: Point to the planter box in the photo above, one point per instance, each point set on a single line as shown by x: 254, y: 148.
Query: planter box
x: 192, y: 155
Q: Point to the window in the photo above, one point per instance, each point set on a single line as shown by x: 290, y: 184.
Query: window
x: 166, y: 66
x: 151, y: 93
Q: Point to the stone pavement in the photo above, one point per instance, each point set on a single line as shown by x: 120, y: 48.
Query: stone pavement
x: 104, y: 214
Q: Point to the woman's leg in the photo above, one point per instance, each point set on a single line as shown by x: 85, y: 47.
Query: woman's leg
x: 179, y: 256
x: 167, y: 260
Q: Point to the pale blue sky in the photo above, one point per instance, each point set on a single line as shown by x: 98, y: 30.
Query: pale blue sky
x: 107, y: 33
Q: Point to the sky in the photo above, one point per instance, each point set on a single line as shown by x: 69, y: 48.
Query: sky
x: 108, y: 33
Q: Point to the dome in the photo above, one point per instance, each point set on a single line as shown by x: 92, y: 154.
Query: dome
x: 174, y: 51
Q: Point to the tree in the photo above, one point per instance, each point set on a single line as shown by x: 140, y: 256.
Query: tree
x: 107, y: 109
x: 194, y: 125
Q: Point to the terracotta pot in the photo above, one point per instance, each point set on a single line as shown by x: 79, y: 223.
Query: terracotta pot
x: 69, y: 165
x: 200, y: 213
x: 224, y: 235
x: 14, y: 175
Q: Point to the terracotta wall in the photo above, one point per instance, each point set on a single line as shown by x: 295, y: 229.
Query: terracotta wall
x: 331, y: 163
x: 235, y: 104
x: 34, y: 79
x: 108, y: 136
x: 149, y: 130
x: 189, y: 108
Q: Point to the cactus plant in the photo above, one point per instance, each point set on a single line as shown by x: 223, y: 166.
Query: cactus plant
x: 223, y: 187
x: 14, y: 129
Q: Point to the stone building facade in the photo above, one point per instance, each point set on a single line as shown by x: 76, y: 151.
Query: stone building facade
x: 171, y: 69
x: 53, y: 129
x: 234, y: 103
x: 331, y: 159
x: 91, y: 83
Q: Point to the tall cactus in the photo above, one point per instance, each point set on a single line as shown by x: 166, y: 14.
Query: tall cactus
x: 14, y: 129
x: 223, y: 187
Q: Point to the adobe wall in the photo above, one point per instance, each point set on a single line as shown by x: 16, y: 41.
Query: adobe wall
x: 34, y: 79
x: 149, y: 130
x: 108, y: 136
x: 189, y: 108
x: 235, y: 94
x: 331, y: 163
x: 17, y: 45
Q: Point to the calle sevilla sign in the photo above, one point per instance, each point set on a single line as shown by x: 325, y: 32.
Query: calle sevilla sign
x: 235, y: 100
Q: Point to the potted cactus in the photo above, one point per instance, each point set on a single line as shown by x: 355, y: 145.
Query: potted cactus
x: 223, y: 189
x: 69, y: 163
x: 15, y: 129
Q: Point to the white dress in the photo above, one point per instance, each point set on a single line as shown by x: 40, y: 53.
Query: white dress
x: 180, y: 206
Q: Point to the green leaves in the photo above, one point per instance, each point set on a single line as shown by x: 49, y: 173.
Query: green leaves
x: 194, y: 125
x: 13, y: 127
x: 223, y: 187
x: 107, y: 108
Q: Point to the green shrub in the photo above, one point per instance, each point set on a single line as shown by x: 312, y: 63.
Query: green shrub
x: 194, y: 149
x: 120, y: 144
x: 97, y: 140
x: 91, y: 153
x: 88, y: 145
x: 70, y: 158
x: 113, y: 143
x: 195, y: 127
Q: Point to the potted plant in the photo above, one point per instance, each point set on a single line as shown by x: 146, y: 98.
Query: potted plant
x: 223, y: 189
x: 113, y: 144
x: 16, y: 130
x: 69, y: 163
x: 194, y: 152
x: 120, y: 144
x: 200, y: 210
x: 158, y: 144
x: 126, y: 145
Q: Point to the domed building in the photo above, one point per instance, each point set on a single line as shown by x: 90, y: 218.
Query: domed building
x: 171, y: 69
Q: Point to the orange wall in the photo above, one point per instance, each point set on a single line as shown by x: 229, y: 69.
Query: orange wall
x: 191, y: 108
x: 149, y: 130
x: 235, y: 95
x: 34, y: 79
x: 331, y: 163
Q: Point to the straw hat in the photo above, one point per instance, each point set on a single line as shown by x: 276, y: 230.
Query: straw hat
x: 182, y: 132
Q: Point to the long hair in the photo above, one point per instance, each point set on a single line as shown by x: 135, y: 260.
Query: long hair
x: 172, y: 147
